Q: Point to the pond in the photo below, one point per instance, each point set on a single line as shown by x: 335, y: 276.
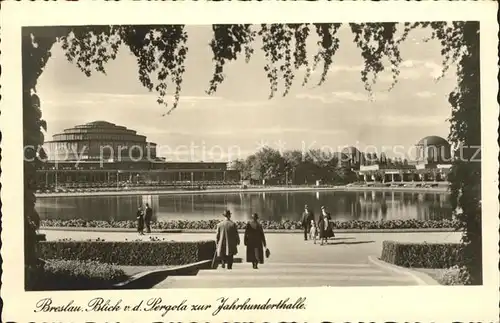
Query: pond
x: 344, y: 206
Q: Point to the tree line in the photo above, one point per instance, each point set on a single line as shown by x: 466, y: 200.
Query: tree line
x: 299, y: 167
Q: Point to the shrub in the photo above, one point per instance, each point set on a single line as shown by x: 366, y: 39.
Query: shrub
x: 77, y: 275
x: 422, y: 255
x: 454, y: 276
x: 130, y: 253
x: 267, y: 225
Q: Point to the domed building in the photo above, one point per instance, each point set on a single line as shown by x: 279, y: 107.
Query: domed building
x: 433, y: 150
x: 433, y: 158
x: 432, y: 165
x: 104, y: 153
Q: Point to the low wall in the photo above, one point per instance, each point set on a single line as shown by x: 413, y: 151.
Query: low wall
x: 130, y: 253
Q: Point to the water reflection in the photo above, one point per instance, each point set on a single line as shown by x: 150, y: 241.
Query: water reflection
x: 363, y: 205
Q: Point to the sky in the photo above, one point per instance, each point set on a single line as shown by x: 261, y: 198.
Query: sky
x: 239, y: 118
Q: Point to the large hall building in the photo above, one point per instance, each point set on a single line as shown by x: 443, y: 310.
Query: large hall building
x: 101, y: 152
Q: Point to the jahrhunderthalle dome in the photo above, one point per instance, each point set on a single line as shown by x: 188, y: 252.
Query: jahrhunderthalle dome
x: 99, y: 130
x: 99, y: 140
x: 434, y: 149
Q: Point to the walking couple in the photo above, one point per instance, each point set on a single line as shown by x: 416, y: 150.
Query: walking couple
x: 228, y: 241
x: 323, y: 228
x: 144, y: 216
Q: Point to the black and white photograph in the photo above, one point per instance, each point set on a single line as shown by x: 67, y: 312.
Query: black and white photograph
x: 174, y: 157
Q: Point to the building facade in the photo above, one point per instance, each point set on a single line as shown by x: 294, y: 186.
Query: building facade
x: 432, y: 164
x: 102, y: 153
x: 99, y: 140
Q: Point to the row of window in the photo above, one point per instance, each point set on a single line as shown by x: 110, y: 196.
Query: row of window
x: 82, y: 147
x: 133, y: 165
x: 91, y: 136
x: 93, y: 130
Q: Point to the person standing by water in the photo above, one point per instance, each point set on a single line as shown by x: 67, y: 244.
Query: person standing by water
x: 255, y: 241
x: 307, y: 217
x: 328, y: 215
x: 325, y: 226
x: 228, y: 240
x: 148, y: 217
x: 140, y: 220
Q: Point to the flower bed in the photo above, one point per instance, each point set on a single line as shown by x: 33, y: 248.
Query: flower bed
x: 130, y: 253
x: 77, y: 275
x: 267, y: 225
x: 422, y: 255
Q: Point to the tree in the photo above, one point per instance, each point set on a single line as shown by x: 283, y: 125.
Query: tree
x: 344, y: 175
x: 249, y: 170
x: 240, y: 166
x: 383, y: 158
x: 292, y: 162
x: 269, y: 164
x: 369, y: 160
x: 161, y: 50
x: 296, y: 166
x: 321, y: 165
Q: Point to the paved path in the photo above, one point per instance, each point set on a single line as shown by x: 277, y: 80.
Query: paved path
x: 344, y: 261
x: 275, y: 274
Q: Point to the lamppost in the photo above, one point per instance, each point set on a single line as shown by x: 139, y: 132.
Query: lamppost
x: 57, y: 169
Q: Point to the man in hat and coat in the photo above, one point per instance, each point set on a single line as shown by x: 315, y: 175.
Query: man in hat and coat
x: 148, y: 216
x: 307, y: 217
x: 228, y: 240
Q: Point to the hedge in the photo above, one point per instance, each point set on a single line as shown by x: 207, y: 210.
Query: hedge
x: 130, y: 253
x: 422, y: 255
x: 267, y: 225
x: 77, y: 275
x: 454, y: 276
